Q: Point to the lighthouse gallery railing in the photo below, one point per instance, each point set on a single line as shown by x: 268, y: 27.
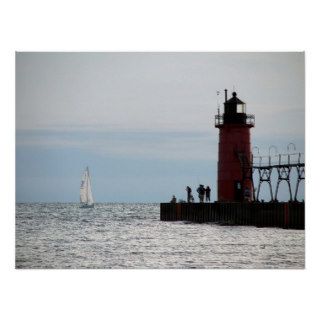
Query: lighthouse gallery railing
x: 219, y: 119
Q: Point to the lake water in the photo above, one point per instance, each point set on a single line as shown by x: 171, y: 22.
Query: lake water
x: 132, y: 236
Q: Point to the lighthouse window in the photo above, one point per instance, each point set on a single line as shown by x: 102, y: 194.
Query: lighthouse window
x: 241, y: 108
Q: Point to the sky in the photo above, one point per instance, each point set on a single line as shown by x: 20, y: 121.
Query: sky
x: 144, y: 122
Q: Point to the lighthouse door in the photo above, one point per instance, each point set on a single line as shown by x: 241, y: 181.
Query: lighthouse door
x: 238, y: 191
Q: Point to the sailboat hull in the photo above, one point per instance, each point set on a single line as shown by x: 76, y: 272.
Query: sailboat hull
x: 87, y: 206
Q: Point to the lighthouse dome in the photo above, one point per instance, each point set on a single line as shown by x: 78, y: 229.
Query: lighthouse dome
x: 234, y: 99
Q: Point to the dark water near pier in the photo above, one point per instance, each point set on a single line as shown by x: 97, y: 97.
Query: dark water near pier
x: 132, y: 236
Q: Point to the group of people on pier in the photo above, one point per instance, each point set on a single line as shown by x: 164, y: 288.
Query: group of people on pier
x: 203, y: 193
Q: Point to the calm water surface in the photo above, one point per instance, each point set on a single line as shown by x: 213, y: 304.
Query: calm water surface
x: 132, y: 236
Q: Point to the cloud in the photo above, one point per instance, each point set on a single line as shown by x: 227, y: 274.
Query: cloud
x: 150, y: 91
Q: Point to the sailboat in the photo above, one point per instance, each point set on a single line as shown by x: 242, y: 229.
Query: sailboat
x: 86, y: 199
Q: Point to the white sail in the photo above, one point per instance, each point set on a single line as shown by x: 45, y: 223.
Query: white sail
x: 85, y: 189
x: 89, y: 190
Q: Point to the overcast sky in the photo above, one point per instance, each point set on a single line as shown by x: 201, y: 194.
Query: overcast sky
x: 143, y: 122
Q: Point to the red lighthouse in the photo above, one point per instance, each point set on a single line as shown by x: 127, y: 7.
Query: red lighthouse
x: 234, y: 164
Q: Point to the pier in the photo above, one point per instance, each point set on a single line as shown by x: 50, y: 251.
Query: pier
x: 238, y: 199
x: 288, y: 215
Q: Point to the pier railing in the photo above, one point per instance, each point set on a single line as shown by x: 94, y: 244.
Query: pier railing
x: 284, y: 159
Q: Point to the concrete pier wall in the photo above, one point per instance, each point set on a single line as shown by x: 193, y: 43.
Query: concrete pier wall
x: 288, y: 215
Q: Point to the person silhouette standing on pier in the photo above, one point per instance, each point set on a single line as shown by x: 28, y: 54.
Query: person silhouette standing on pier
x: 189, y: 194
x: 201, y: 192
x: 174, y: 199
x: 208, y: 192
